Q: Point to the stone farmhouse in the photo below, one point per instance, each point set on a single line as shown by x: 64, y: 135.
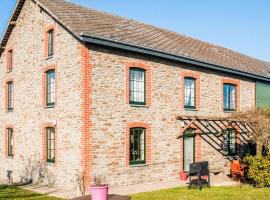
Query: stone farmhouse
x: 93, y: 93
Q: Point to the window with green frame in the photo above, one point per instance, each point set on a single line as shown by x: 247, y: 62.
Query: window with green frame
x: 10, y: 60
x: 50, y: 88
x: 50, y: 144
x: 229, y: 97
x: 10, y: 142
x: 229, y: 140
x: 10, y: 96
x: 50, y: 42
x: 137, y: 86
x: 137, y: 146
x: 190, y: 92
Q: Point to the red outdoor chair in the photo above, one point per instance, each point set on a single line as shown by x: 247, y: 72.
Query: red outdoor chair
x: 236, y: 170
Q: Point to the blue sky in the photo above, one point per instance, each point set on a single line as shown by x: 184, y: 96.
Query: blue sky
x: 241, y: 25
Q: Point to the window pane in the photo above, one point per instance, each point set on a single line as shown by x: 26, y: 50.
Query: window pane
x: 50, y: 43
x: 50, y: 141
x: 189, y: 92
x: 50, y: 88
x: 229, y: 94
x: 10, y: 95
x: 232, y: 142
x: 10, y: 60
x: 137, y: 86
x: 137, y: 146
x: 10, y: 142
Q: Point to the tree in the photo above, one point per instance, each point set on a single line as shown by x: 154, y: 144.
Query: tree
x: 259, y: 119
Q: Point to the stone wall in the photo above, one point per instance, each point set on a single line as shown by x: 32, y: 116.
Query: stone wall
x: 112, y: 113
x: 29, y: 115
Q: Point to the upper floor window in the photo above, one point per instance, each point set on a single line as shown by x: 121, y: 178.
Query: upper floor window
x: 50, y: 42
x: 137, y: 86
x: 229, y: 97
x: 229, y: 137
x: 10, y: 96
x: 50, y: 144
x: 190, y: 92
x: 10, y: 60
x: 137, y: 146
x: 10, y: 142
x: 50, y: 88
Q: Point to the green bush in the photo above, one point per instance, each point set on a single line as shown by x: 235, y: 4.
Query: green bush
x: 259, y: 169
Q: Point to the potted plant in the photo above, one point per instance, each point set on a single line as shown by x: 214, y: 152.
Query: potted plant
x: 183, y: 175
x: 99, y: 191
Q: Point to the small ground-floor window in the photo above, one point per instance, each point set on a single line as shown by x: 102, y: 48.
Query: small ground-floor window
x: 137, y: 146
x: 50, y: 144
x: 229, y: 137
x: 10, y: 142
x: 189, y: 148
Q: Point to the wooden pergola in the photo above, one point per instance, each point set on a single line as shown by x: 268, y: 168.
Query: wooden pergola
x: 214, y: 125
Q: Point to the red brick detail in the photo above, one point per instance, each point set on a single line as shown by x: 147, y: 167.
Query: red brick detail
x: 44, y: 70
x: 197, y: 77
x: 9, y: 48
x: 6, y: 93
x: 86, y: 114
x: 44, y: 145
x: 237, y: 84
x: 147, y: 69
x: 6, y: 140
x: 148, y: 140
x: 46, y: 30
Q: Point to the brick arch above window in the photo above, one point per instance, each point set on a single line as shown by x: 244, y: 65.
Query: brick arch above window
x: 197, y: 77
x: 147, y: 68
x: 232, y: 82
x: 148, y: 148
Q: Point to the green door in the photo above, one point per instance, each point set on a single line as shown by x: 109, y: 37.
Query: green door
x: 189, y: 149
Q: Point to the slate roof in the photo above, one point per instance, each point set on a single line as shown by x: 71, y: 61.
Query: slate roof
x: 85, y: 21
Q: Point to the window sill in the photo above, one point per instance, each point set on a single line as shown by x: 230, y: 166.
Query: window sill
x: 9, y: 111
x: 50, y: 163
x: 10, y: 157
x: 50, y: 107
x: 139, y: 165
x: 49, y: 57
x: 140, y: 106
x: 191, y: 109
x: 230, y: 111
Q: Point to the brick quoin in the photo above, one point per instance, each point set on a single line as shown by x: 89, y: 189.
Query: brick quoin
x: 148, y: 140
x: 197, y: 77
x: 237, y: 84
x: 86, y: 114
x: 147, y: 69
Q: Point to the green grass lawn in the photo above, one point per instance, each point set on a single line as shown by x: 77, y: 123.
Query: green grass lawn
x: 20, y: 194
x: 214, y: 193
